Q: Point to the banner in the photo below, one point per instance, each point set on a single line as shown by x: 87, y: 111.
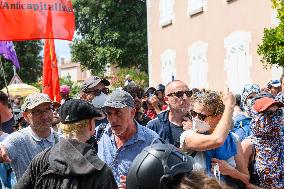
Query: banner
x: 29, y: 20
x: 50, y: 81
x: 9, y: 53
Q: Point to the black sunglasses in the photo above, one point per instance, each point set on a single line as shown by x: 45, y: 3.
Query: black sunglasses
x: 97, y: 92
x: 180, y: 94
x: 138, y: 95
x: 278, y: 112
x: 200, y: 116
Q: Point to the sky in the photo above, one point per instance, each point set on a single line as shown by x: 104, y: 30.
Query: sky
x: 62, y: 49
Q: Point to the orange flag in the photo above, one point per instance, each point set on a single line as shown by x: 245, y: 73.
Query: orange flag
x: 50, y: 81
x: 28, y: 19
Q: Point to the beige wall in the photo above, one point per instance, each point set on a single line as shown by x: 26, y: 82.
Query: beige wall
x: 216, y: 22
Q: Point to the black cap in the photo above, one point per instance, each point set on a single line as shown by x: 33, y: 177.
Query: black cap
x: 75, y: 110
x: 92, y: 82
x: 160, y: 87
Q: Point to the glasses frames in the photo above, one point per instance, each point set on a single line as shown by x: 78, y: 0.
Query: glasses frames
x: 97, y: 92
x: 180, y: 94
x: 200, y: 116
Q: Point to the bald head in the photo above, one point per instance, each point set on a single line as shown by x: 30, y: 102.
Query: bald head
x: 175, y: 86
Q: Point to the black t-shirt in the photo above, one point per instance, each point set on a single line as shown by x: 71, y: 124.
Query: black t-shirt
x: 7, y: 126
x: 176, y: 132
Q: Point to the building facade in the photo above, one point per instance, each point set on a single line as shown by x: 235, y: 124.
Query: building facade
x: 68, y: 68
x: 208, y: 43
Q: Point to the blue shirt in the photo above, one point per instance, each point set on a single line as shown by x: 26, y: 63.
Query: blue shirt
x: 23, y: 145
x: 119, y: 160
x: 166, y: 130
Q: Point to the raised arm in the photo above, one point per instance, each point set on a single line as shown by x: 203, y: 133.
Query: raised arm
x: 201, y: 142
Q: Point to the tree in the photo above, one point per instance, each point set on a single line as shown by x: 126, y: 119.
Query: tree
x: 28, y: 53
x: 272, y: 47
x: 110, y: 31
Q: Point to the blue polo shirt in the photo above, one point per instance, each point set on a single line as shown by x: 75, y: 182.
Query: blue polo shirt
x: 23, y: 145
x: 119, y: 160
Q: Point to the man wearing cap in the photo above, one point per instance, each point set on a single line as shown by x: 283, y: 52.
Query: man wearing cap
x: 94, y: 87
x: 22, y: 146
x: 95, y: 91
x: 123, y: 138
x: 71, y: 163
x: 274, y: 87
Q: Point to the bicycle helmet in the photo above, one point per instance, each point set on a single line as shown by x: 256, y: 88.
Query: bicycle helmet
x: 155, y: 167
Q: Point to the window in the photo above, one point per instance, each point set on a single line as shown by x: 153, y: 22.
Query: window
x: 276, y: 72
x: 195, y: 6
x: 274, y: 19
x: 168, y: 72
x: 238, y: 60
x: 198, y: 65
x: 166, y: 12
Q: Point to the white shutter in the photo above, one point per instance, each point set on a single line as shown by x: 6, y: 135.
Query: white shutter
x: 238, y: 60
x: 195, y: 6
x: 198, y: 65
x: 166, y: 12
x: 168, y: 72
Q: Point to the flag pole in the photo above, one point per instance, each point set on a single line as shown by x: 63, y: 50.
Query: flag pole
x: 4, y: 75
x: 5, y: 81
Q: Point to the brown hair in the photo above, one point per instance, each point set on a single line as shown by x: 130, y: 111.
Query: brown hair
x: 212, y: 101
x: 196, y: 180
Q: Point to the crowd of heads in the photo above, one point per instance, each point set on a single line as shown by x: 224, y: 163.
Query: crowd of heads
x: 159, y: 165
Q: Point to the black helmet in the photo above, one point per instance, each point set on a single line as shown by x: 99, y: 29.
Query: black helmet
x: 155, y: 167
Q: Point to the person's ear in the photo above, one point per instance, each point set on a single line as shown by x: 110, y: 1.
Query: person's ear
x: 133, y: 111
x: 25, y: 115
x: 90, y: 125
x: 166, y: 99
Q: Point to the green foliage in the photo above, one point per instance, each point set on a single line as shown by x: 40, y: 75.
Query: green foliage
x: 272, y: 47
x: 74, y: 86
x: 140, y: 78
x: 28, y: 53
x: 110, y: 31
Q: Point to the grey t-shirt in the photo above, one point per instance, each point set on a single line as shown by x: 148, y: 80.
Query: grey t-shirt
x: 23, y: 145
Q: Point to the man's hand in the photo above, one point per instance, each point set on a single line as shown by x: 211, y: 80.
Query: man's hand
x: 229, y: 99
x: 224, y: 167
x: 4, y: 155
x: 187, y: 124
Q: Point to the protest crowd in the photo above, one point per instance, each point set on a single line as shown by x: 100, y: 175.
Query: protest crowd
x: 171, y: 136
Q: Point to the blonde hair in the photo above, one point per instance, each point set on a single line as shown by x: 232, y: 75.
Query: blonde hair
x: 70, y: 130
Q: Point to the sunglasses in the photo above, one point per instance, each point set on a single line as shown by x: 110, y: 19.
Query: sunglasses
x: 278, y: 112
x: 180, y: 94
x: 97, y: 92
x: 134, y: 95
x: 200, y: 116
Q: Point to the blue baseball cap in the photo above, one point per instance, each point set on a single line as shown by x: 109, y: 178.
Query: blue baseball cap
x: 274, y: 83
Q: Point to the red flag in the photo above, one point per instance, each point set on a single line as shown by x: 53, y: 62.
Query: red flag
x: 50, y: 80
x: 28, y: 19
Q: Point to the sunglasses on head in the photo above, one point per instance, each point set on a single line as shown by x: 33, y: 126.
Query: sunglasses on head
x: 200, y: 116
x: 278, y: 112
x: 97, y: 92
x: 180, y: 94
